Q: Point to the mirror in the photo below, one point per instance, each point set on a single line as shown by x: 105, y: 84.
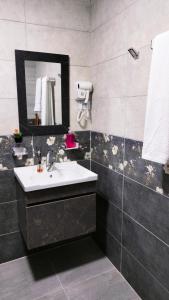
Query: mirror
x: 43, y: 92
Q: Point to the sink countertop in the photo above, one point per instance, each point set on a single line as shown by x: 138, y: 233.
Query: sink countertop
x: 66, y: 173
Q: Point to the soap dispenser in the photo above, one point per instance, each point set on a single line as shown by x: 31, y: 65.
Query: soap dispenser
x: 70, y: 140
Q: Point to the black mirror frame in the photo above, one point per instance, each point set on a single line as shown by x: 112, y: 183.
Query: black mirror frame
x: 20, y: 57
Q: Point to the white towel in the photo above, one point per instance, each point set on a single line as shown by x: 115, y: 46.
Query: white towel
x: 156, y: 132
x: 38, y: 92
x: 44, y: 101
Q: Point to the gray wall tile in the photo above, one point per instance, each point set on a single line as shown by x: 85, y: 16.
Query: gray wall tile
x: 111, y: 217
x: 147, y: 207
x: 110, y: 246
x: 7, y: 186
x: 11, y: 247
x: 109, y: 184
x: 149, y: 250
x: 141, y: 280
x: 8, y: 217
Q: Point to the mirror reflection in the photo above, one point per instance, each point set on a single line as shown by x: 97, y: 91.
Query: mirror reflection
x: 43, y: 93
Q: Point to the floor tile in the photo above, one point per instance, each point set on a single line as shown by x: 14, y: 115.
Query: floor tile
x: 60, y: 295
x: 107, y: 286
x: 27, y: 278
x: 79, y: 261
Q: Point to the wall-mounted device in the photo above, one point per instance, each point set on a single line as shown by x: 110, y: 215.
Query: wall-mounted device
x: 134, y: 53
x: 84, y: 90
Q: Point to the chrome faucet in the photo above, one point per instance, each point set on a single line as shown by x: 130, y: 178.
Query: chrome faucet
x: 50, y: 161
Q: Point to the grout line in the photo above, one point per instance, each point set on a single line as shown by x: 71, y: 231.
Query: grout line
x: 26, y: 36
x: 90, y: 149
x: 13, y: 99
x: 120, y: 97
x: 4, y: 234
x: 44, y: 25
x: 117, y: 56
x: 154, y: 235
x: 67, y: 296
x: 92, y: 277
x: 121, y: 255
x: 107, y: 167
x: 145, y: 186
x: 112, y: 236
x: 157, y: 280
x: 7, y: 202
x: 71, y: 65
x: 12, y: 21
x: 59, y: 27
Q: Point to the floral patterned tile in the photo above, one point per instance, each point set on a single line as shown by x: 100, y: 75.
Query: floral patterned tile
x: 107, y: 150
x: 57, y: 145
x: 6, y: 143
x: 146, y: 172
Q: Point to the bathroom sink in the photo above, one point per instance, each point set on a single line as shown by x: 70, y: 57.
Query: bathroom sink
x: 64, y: 174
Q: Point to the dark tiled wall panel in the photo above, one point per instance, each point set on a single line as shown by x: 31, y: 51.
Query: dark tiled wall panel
x: 150, y: 251
x: 11, y: 243
x: 111, y: 217
x: 110, y: 246
x: 126, y: 197
x: 142, y: 281
x: 8, y: 217
x: 11, y: 247
x: 7, y: 186
x: 148, y: 208
x: 109, y: 185
x: 140, y: 189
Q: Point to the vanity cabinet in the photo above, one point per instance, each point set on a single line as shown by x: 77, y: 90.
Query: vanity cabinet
x: 56, y: 214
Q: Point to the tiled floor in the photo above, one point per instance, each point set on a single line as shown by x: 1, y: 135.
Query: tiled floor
x: 78, y: 271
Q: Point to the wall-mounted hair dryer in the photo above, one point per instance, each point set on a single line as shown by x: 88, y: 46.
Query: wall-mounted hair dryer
x: 84, y: 88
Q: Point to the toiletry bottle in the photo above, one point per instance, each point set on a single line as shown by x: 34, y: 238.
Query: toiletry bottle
x: 70, y: 140
x: 39, y: 166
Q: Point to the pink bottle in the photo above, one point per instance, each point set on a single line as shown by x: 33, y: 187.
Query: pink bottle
x: 70, y: 140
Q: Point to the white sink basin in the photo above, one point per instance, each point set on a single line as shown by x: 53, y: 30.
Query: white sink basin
x: 66, y: 173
